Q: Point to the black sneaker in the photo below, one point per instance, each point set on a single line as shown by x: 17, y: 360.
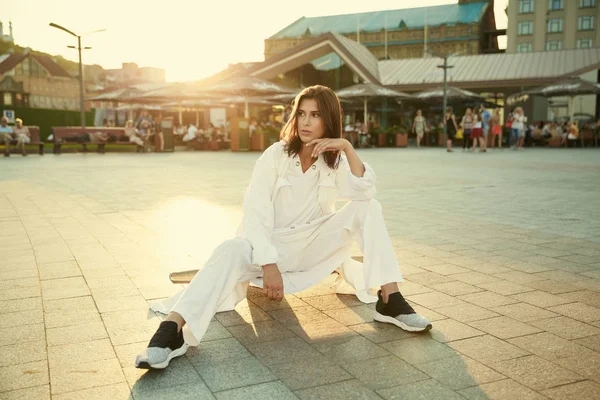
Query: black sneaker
x: 397, y: 311
x: 165, y: 345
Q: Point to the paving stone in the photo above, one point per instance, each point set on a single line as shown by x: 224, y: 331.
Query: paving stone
x: 327, y: 331
x: 84, y: 303
x: 338, y: 391
x: 24, y: 375
x: 27, y: 304
x: 466, y: 312
x: 505, y: 288
x: 300, y: 315
x: 553, y: 287
x: 289, y: 301
x: 191, y: 391
x: 591, y: 342
x: 540, y: 299
x: 524, y: 312
x: 180, y: 373
x: 428, y: 278
x: 114, y: 391
x: 70, y: 318
x: 504, y: 327
x: 459, y: 372
x: 27, y: 317
x: 474, y: 278
x: 64, y: 269
x: 429, y: 389
x: 587, y: 365
x: 579, y: 390
x: 353, y: 349
x: 352, y: 315
x: 448, y: 330
x: 283, y: 351
x: 578, y: 311
x: 419, y: 349
x: 549, y: 346
x: 502, y: 390
x: 486, y: 349
x: 33, y: 393
x: 23, y: 353
x: 535, y: 372
x: 332, y: 301
x: 434, y: 299
x: 378, y: 332
x: 301, y: 373
x: 96, y: 350
x: 584, y: 296
x: 456, y: 288
x: 75, y: 334
x: 21, y: 334
x: 384, y: 372
x: 270, y: 390
x: 487, y: 299
x: 234, y: 373
x: 260, y: 332
x: 566, y: 327
x: 75, y: 376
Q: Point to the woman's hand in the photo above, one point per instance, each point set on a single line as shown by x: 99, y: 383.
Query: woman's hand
x: 328, y: 144
x: 272, y: 282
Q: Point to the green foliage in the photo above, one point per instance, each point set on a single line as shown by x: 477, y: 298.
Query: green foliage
x: 392, y: 130
x: 46, y: 119
x: 271, y: 134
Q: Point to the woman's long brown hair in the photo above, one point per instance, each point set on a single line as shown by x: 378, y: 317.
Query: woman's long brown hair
x: 331, y: 114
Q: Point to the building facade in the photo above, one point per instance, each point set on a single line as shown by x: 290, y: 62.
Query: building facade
x: 467, y: 27
x: 36, y: 81
x: 546, y: 25
x: 130, y: 74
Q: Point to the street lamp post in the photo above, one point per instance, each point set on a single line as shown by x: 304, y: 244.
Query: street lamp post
x: 81, y: 91
x: 445, y: 67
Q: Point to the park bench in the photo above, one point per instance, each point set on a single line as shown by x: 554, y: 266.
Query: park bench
x: 72, y: 134
x: 34, y: 132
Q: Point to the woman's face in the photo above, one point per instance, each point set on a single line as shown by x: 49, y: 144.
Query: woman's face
x: 468, y: 111
x: 310, y: 123
x: 419, y: 113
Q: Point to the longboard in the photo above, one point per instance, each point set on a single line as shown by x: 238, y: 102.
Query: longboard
x: 184, y: 277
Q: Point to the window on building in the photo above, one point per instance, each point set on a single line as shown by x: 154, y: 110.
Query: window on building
x: 584, y: 43
x: 525, y: 28
x: 555, y: 25
x: 524, y: 48
x: 587, y: 3
x: 553, y: 45
x: 585, y: 23
x: 525, y: 6
x: 555, y: 5
x: 8, y: 99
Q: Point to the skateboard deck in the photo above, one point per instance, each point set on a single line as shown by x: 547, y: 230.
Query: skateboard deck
x: 183, y: 277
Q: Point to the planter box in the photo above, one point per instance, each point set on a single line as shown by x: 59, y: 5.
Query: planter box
x: 257, y: 142
x: 401, y: 139
x: 215, y: 145
x: 381, y: 140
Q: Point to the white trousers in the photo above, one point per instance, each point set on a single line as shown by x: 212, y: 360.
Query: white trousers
x: 307, y: 254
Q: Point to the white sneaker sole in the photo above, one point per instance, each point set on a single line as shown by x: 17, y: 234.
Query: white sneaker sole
x: 179, y: 352
x: 399, y: 324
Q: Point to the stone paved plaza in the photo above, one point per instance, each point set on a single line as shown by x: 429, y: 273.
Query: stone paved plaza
x: 501, y: 250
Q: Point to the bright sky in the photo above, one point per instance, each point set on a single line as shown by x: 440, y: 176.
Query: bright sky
x: 191, y: 39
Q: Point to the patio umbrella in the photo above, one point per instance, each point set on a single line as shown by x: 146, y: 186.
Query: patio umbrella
x: 247, y: 87
x: 365, y: 91
x: 452, y: 93
x: 569, y: 87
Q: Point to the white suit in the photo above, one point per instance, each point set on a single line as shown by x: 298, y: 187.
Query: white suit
x: 290, y: 219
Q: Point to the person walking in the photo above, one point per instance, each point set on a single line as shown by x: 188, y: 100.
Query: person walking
x: 467, y: 125
x: 451, y: 128
x: 419, y: 126
x: 477, y: 132
x: 496, y: 128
